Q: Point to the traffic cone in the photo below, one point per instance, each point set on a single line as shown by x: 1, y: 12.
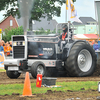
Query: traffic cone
x: 27, y: 86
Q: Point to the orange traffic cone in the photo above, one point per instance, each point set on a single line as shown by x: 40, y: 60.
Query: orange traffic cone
x: 27, y: 87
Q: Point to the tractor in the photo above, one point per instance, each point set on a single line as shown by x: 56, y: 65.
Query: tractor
x: 41, y: 54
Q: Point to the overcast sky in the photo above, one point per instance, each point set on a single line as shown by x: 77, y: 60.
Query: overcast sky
x: 85, y: 8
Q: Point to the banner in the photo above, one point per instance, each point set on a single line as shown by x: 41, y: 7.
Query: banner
x: 72, y: 11
x: 2, y: 59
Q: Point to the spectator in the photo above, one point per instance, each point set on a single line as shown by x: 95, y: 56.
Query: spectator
x: 10, y: 43
x: 1, y: 47
x: 90, y: 42
x: 3, y: 43
x: 10, y: 48
x: 7, y: 49
x: 7, y: 42
x: 95, y: 45
x: 93, y: 42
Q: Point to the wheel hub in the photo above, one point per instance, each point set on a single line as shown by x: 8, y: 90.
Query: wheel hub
x: 40, y: 69
x: 84, y: 60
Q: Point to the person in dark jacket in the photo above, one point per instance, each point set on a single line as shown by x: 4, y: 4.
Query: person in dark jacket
x: 65, y: 33
x: 63, y: 37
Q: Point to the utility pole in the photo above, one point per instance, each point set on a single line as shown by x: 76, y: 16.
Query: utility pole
x: 66, y: 16
x: 97, y: 14
x: 65, y: 13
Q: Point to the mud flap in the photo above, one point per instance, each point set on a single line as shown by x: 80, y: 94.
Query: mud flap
x: 23, y: 65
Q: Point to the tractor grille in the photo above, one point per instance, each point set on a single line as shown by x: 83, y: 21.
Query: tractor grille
x: 21, y: 38
x: 18, y: 51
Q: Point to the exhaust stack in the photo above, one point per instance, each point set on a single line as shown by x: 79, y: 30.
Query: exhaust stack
x: 25, y: 7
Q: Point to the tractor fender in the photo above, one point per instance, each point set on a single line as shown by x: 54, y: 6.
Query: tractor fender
x: 70, y: 45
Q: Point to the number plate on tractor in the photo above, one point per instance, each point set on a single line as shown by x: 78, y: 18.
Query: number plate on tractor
x: 13, y: 68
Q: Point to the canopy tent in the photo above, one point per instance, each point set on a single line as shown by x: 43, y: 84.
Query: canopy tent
x: 86, y: 36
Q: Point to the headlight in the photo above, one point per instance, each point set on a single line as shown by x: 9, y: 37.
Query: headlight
x: 14, y: 43
x: 23, y: 42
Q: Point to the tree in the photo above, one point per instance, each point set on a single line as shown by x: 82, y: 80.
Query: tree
x: 40, y: 8
x: 12, y: 31
x: 74, y: 0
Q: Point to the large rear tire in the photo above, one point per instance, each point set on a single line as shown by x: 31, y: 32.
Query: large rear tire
x: 13, y: 74
x: 81, y: 61
x: 38, y: 68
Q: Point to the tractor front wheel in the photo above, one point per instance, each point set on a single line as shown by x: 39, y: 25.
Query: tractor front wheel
x: 38, y: 68
x: 13, y: 74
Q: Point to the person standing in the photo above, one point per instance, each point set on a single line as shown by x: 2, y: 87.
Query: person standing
x: 95, y: 45
x: 1, y: 47
x: 7, y: 49
x: 10, y: 43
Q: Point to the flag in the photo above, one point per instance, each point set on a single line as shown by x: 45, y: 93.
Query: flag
x: 66, y: 4
x: 72, y: 11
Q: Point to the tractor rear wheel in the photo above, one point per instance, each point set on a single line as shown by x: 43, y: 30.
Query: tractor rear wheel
x: 81, y: 61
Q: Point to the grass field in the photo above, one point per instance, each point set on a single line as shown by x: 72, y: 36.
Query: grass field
x: 74, y: 86
x: 2, y: 70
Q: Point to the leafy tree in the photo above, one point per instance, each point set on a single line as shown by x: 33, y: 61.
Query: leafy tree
x: 12, y: 31
x: 40, y: 8
x: 74, y: 0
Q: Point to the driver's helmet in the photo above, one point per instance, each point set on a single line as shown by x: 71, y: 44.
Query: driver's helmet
x: 65, y: 28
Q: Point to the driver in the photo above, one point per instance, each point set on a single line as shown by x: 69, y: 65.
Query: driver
x: 64, y: 34
x: 63, y: 37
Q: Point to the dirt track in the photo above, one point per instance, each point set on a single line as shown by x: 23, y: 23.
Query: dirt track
x: 54, y: 95
x: 5, y: 80
x: 95, y: 77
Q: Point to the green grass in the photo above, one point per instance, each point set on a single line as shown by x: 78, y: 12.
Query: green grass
x: 2, y: 70
x: 74, y: 86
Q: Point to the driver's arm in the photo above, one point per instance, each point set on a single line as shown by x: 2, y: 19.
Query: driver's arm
x: 60, y: 37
